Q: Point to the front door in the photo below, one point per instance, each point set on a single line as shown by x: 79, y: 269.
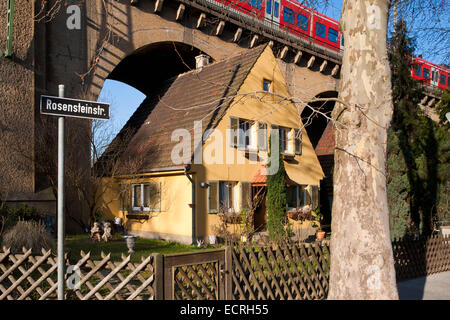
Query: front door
x: 259, y: 205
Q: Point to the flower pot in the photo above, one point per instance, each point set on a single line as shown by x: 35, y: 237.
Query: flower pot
x: 320, y: 235
x: 293, y: 215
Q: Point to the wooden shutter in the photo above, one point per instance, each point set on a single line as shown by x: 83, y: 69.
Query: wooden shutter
x: 155, y: 196
x: 232, y: 132
x: 262, y: 136
x: 246, y: 195
x: 314, y: 196
x: 213, y: 197
x: 298, y: 141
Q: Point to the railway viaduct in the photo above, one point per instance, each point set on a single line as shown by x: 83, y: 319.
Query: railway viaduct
x: 139, y: 42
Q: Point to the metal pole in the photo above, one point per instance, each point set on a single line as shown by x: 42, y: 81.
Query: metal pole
x: 60, y: 204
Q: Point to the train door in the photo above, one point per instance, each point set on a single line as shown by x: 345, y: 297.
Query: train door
x: 434, y: 77
x: 273, y: 10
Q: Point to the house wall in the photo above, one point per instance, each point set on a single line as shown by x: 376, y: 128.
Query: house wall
x: 305, y: 167
x: 173, y: 222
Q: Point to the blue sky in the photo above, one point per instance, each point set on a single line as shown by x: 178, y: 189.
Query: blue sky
x: 125, y: 99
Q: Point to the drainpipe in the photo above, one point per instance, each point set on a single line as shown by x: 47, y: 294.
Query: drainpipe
x: 186, y: 169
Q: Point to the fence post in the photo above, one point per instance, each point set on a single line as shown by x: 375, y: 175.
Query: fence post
x: 228, y: 273
x: 158, y: 283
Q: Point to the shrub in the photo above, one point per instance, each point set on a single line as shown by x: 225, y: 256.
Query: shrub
x: 29, y: 234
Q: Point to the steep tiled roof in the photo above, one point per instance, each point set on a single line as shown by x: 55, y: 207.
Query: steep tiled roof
x: 199, y: 95
x: 325, y: 146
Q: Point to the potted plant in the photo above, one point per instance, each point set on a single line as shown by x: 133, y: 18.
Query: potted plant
x: 317, y: 223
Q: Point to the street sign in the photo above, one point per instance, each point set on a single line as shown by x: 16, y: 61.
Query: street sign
x: 64, y: 107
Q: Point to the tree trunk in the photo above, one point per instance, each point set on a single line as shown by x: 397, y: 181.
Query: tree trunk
x: 362, y: 265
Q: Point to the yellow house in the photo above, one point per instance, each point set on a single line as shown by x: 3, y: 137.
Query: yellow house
x: 203, y: 142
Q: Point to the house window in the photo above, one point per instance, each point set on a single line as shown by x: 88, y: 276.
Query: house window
x: 223, y: 196
x: 146, y: 196
x: 123, y: 197
x: 267, y: 84
x: 286, y: 140
x: 243, y: 133
x: 262, y: 136
x: 227, y: 196
x: 320, y: 30
x: 292, y: 196
x: 302, y: 22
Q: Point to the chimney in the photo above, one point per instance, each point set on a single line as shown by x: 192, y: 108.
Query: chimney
x: 201, y: 61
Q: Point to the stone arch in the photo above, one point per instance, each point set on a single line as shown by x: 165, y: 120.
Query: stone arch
x: 316, y: 122
x: 142, y: 42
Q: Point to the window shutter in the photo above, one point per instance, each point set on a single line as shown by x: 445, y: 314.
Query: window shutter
x: 298, y: 141
x: 155, y: 196
x: 213, y: 197
x: 233, y: 130
x: 246, y: 195
x: 262, y: 136
x: 315, y: 196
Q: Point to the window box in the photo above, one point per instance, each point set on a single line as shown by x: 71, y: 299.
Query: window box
x: 138, y: 216
x: 231, y: 218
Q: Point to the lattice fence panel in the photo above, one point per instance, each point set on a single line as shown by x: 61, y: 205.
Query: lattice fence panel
x: 421, y: 257
x: 24, y: 276
x: 30, y: 277
x: 196, y: 282
x: 297, y: 272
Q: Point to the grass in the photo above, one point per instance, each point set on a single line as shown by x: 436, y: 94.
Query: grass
x: 117, y: 246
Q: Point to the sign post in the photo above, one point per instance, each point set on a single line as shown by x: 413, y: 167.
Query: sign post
x: 60, y: 203
x: 63, y: 107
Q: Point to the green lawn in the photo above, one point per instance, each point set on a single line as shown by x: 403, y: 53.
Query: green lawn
x: 117, y: 247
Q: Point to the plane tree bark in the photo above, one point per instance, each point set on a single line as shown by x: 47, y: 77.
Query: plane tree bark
x: 362, y: 265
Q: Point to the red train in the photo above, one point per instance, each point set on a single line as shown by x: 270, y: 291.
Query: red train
x: 318, y: 29
x: 431, y: 74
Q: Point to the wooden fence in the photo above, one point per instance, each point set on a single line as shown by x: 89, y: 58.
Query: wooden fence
x: 298, y: 272
x: 421, y: 257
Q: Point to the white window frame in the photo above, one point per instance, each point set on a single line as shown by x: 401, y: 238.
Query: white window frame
x: 142, y: 208
x: 240, y: 134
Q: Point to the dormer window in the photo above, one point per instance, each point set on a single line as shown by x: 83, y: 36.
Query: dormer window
x: 267, y: 85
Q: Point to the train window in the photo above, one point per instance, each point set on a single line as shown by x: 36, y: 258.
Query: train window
x: 269, y: 6
x: 288, y: 15
x: 320, y: 29
x: 417, y: 70
x: 443, y: 79
x: 302, y: 22
x: 255, y: 3
x: 426, y: 73
x: 332, y: 35
x: 276, y: 9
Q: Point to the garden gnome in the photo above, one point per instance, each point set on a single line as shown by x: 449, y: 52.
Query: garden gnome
x: 107, y: 232
x: 96, y: 231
